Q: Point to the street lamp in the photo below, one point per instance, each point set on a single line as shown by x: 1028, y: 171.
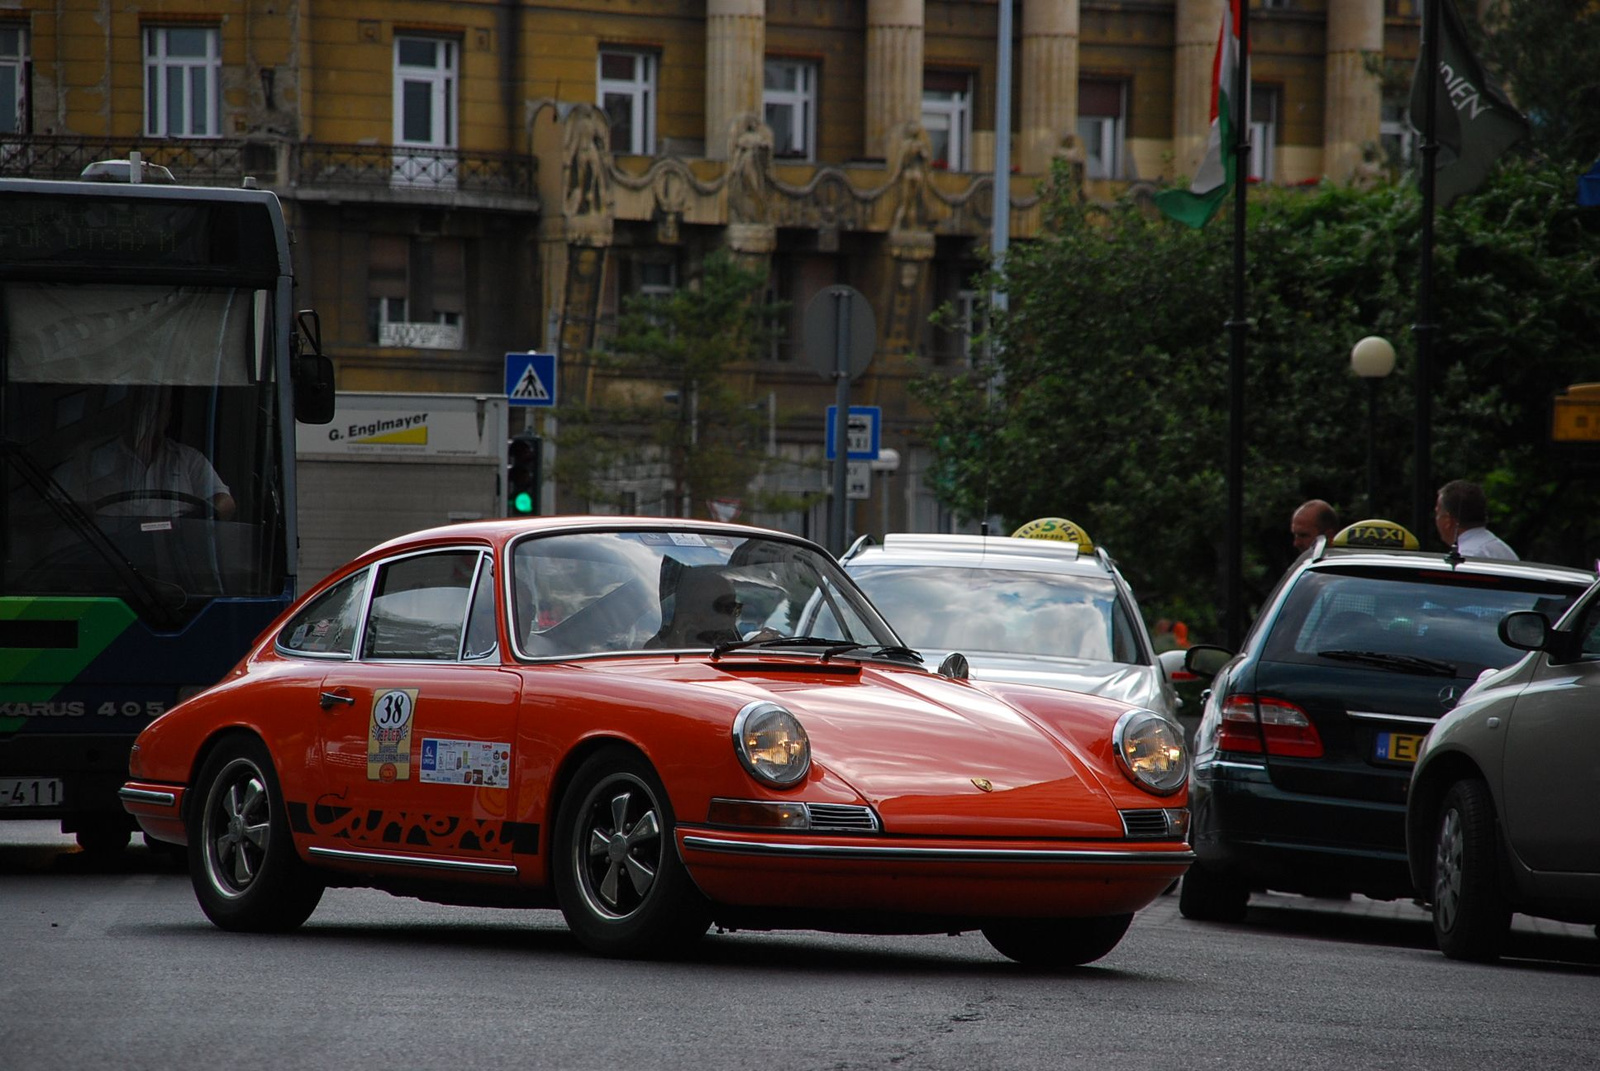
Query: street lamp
x: 1372, y: 358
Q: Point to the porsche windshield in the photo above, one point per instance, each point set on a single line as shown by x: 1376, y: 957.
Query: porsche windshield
x: 139, y: 436
x: 598, y: 592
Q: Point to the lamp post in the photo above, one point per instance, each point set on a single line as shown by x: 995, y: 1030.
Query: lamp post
x: 1372, y: 358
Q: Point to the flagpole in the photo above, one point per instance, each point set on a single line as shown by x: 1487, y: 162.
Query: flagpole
x: 1425, y: 329
x: 1233, y: 570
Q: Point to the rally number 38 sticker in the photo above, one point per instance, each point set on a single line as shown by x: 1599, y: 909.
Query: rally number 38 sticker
x: 389, y: 735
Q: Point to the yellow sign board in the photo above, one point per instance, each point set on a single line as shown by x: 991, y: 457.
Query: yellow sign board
x: 1575, y: 414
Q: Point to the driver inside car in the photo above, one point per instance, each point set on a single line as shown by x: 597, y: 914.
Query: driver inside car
x: 145, y: 472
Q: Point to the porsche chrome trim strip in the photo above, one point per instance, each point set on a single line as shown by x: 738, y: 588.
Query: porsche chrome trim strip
x: 425, y: 861
x: 929, y: 855
x: 144, y: 795
x: 1373, y: 715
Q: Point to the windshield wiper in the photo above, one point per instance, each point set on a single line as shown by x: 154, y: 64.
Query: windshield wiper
x: 834, y: 646
x: 1432, y: 667
x: 141, y: 587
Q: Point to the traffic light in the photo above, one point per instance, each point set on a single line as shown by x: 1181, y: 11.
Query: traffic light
x: 522, y: 476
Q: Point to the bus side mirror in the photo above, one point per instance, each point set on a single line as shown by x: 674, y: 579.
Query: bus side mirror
x: 311, y: 372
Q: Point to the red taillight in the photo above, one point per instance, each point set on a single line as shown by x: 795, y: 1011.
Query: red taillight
x: 1257, y: 724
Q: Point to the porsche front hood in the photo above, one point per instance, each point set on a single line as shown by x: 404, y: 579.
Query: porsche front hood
x: 935, y: 756
x: 1114, y: 680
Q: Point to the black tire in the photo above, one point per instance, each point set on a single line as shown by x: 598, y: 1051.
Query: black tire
x: 103, y: 838
x: 615, y: 864
x: 1213, y: 896
x: 242, y: 860
x: 1053, y: 943
x: 1470, y: 913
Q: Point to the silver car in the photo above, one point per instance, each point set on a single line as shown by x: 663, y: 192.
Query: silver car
x: 1500, y: 815
x: 1021, y: 610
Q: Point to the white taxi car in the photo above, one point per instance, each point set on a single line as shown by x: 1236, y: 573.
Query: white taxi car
x: 1042, y: 606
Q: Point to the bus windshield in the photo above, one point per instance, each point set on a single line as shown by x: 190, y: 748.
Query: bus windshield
x: 140, y: 444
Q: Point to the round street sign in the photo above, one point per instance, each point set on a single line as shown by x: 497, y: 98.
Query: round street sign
x: 821, y: 334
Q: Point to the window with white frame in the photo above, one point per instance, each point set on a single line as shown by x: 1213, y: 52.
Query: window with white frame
x: 1102, y: 126
x: 627, y: 91
x: 416, y: 291
x: 182, y: 69
x: 425, y: 92
x: 14, y: 117
x: 1396, y: 135
x: 789, y: 106
x: 1263, y: 132
x: 947, y: 118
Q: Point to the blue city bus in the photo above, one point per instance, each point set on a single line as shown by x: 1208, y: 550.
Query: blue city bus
x: 151, y: 370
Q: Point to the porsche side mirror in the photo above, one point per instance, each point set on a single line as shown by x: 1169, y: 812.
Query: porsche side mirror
x: 954, y: 666
x: 1206, y: 660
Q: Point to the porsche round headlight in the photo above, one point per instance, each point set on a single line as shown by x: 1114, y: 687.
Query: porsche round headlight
x: 772, y: 744
x: 1150, y: 751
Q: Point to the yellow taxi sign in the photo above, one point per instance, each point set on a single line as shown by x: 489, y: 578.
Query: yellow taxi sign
x: 1575, y: 414
x: 1377, y: 534
x: 1059, y: 529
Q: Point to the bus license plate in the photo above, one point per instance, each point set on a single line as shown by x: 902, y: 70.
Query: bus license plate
x: 30, y: 792
x: 1398, y: 747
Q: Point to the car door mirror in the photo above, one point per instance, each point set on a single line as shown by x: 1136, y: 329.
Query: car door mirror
x: 954, y: 666
x: 1526, y: 630
x: 1206, y: 660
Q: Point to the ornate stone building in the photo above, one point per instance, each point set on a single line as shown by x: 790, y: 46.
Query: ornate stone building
x: 471, y: 177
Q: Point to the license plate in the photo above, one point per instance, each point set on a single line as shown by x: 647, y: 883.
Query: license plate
x: 1398, y: 747
x: 30, y: 792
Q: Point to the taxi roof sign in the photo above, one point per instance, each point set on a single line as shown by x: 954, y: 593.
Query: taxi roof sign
x: 1376, y: 534
x: 1058, y: 529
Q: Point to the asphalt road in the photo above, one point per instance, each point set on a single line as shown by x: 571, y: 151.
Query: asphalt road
x: 115, y: 967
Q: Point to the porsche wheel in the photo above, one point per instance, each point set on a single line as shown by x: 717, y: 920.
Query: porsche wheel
x: 1050, y: 943
x: 1470, y: 915
x: 242, y: 861
x: 1213, y: 896
x: 617, y: 875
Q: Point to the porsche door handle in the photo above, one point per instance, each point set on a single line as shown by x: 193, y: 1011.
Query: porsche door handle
x: 328, y: 700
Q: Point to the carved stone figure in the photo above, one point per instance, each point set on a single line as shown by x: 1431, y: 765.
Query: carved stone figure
x: 911, y: 213
x: 748, y: 169
x: 585, y: 146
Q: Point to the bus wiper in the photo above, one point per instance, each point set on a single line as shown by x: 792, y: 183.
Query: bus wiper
x: 1431, y: 667
x: 45, y: 486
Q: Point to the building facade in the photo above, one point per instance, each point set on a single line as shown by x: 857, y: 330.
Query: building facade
x: 468, y: 178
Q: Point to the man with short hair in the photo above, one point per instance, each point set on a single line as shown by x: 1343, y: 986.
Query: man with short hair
x: 1312, y: 519
x: 1460, y: 513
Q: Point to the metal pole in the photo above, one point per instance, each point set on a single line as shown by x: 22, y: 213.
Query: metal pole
x: 1238, y: 328
x: 1425, y: 328
x: 841, y: 423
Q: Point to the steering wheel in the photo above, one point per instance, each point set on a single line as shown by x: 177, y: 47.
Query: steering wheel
x: 198, y: 507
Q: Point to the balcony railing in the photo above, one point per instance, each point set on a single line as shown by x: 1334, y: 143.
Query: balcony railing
x: 312, y: 165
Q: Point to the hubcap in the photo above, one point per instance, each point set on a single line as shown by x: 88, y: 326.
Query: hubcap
x: 237, y: 828
x: 1447, y: 870
x: 620, y: 850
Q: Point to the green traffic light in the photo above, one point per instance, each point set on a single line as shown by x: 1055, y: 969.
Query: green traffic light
x: 522, y: 502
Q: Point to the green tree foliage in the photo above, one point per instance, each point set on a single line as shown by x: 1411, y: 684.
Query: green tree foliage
x: 1548, y: 53
x: 670, y: 403
x: 1109, y: 403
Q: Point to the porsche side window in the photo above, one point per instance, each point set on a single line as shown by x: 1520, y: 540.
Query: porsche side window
x: 327, y: 625
x: 481, y: 638
x: 419, y: 607
x: 1589, y: 629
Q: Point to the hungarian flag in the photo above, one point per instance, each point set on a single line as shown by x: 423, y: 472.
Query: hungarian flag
x: 1196, y: 205
x: 1474, y: 122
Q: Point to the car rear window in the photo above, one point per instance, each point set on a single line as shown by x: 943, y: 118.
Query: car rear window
x: 1440, y: 616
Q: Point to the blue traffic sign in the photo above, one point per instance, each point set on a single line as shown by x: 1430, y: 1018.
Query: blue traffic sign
x: 863, y: 432
x: 531, y: 379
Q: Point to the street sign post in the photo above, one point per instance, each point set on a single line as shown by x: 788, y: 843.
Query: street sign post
x: 840, y: 317
x: 531, y: 379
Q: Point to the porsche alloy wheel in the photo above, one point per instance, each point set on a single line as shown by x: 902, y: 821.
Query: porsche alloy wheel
x: 1053, y: 943
x: 1470, y: 915
x: 617, y: 875
x: 242, y: 861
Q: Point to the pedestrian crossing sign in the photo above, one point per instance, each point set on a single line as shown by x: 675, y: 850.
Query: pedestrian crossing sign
x: 531, y: 379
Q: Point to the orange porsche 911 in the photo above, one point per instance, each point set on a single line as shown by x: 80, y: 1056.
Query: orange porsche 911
x: 623, y: 718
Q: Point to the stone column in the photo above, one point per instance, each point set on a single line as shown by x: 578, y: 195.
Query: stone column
x: 736, y: 41
x: 894, y: 70
x: 1198, y: 24
x: 1049, y: 77
x: 1354, y: 109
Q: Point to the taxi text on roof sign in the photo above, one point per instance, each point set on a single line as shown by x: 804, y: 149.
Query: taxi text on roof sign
x: 1059, y: 529
x: 1377, y: 534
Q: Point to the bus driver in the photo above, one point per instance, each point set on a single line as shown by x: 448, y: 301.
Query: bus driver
x: 144, y: 472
